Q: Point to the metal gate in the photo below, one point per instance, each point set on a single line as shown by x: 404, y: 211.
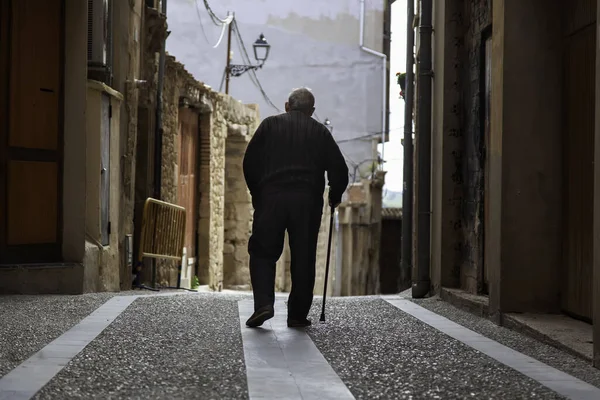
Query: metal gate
x: 579, y: 96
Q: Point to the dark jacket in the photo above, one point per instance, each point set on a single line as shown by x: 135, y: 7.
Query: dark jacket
x: 292, y: 151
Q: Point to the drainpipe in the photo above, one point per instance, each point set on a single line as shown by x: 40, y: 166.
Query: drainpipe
x: 158, y: 134
x: 421, y: 282
x: 384, y: 75
x: 407, y: 190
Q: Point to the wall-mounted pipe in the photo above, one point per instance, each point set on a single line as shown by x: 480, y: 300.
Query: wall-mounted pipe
x: 407, y: 176
x: 384, y: 77
x: 158, y: 132
x: 421, y: 282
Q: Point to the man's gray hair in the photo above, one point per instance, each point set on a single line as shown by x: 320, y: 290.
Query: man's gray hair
x: 301, y: 99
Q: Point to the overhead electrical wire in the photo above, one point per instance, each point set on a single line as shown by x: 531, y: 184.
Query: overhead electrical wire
x: 215, y: 19
x: 252, y: 73
x: 222, y: 23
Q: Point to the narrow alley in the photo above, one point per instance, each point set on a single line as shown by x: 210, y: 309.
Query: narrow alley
x: 173, y: 345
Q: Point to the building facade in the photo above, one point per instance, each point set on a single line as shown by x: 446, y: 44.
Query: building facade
x: 78, y: 107
x: 315, y: 44
x: 515, y: 171
x: 66, y: 147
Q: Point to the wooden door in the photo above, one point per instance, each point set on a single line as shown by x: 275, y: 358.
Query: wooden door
x: 30, y: 131
x: 579, y: 90
x: 188, y: 166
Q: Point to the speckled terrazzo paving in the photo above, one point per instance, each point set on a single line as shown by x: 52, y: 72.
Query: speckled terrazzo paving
x: 559, y: 359
x: 191, y: 346
x: 383, y: 353
x: 28, y: 323
x: 179, y: 347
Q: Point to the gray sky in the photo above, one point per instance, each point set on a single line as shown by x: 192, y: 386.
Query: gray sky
x: 393, y: 149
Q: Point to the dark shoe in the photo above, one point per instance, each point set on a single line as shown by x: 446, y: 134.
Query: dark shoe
x: 298, y: 323
x: 260, y: 316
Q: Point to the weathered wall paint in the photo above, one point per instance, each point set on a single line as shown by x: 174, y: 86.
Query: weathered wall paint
x: 314, y: 43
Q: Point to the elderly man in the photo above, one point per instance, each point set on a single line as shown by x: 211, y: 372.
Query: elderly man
x: 284, y: 167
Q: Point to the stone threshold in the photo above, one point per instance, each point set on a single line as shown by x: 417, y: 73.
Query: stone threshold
x: 51, y: 278
x: 39, y: 265
x: 561, y: 331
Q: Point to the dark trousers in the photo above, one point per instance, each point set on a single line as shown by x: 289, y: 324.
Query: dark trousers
x: 300, y: 214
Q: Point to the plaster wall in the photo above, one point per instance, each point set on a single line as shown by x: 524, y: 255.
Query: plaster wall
x: 74, y: 164
x: 314, y: 44
x: 102, y: 263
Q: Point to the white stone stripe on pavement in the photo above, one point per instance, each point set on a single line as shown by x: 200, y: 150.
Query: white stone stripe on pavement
x: 558, y: 381
x: 284, y: 363
x: 23, y: 382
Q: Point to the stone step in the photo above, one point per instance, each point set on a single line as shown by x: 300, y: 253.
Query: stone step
x: 63, y: 278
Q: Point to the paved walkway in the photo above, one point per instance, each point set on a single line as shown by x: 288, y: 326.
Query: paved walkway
x: 195, y: 346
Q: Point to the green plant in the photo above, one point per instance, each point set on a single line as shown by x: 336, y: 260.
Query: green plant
x: 195, y: 282
x: 401, y: 82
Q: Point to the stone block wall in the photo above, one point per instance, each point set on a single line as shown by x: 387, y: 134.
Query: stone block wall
x: 226, y: 126
x: 238, y: 122
x: 152, y: 33
x: 478, y: 17
x: 322, y: 251
x: 238, y: 211
x: 360, y: 224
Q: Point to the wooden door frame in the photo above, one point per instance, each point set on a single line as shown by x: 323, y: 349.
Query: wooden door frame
x: 486, y: 34
x: 195, y: 168
x: 4, y: 104
x: 197, y: 194
x: 30, y: 253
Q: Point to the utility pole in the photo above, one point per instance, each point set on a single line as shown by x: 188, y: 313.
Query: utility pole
x: 228, y: 63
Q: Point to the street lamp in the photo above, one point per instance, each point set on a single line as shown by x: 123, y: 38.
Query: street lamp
x: 261, y: 53
x: 261, y: 49
x: 328, y: 125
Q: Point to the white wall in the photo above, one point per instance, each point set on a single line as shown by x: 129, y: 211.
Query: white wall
x: 315, y: 43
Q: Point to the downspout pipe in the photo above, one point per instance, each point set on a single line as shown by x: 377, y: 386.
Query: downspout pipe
x: 384, y: 74
x: 407, y: 189
x: 422, y: 282
x: 158, y: 134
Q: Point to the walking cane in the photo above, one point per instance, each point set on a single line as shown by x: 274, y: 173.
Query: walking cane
x: 322, y: 319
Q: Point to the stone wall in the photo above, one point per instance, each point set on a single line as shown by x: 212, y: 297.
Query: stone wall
x: 478, y: 17
x: 237, y: 122
x: 225, y: 123
x: 322, y: 251
x: 360, y: 223
x: 130, y: 16
x: 152, y: 34
x: 238, y: 211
